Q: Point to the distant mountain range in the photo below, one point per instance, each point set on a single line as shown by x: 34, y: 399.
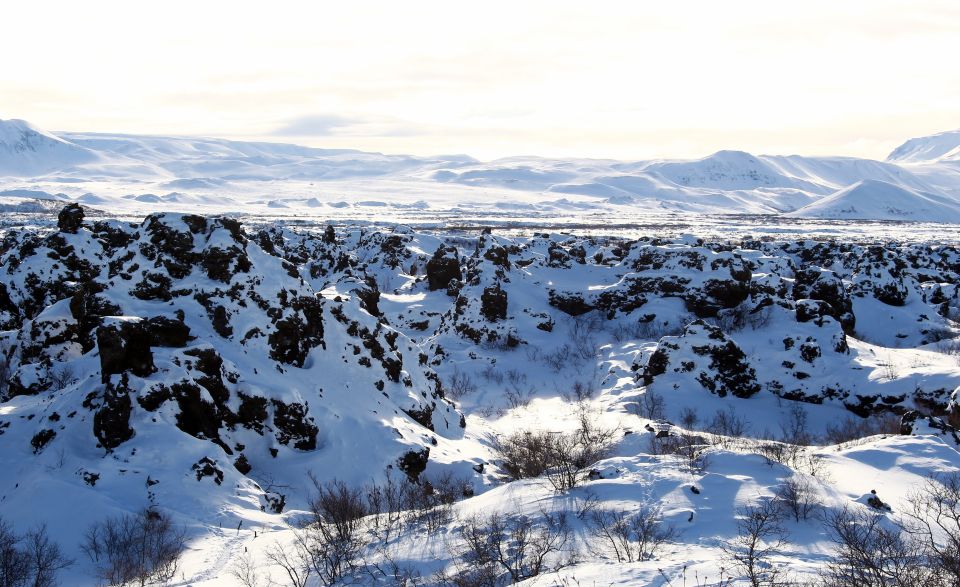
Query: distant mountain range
x: 919, y: 181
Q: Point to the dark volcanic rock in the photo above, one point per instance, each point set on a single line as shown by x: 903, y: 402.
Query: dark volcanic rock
x: 70, y: 218
x: 125, y: 347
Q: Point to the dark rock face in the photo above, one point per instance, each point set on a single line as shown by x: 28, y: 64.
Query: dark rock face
x: 111, y: 424
x: 414, y: 462
x: 294, y: 425
x: 727, y: 371
x: 207, y: 467
x: 125, y: 347
x: 442, y: 268
x: 166, y: 332
x: 493, y: 303
x: 70, y: 218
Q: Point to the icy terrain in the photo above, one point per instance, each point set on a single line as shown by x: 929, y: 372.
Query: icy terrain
x: 204, y: 367
x: 137, y: 175
x: 197, y: 326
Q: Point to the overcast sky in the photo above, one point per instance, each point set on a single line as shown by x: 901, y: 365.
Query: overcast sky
x: 628, y: 80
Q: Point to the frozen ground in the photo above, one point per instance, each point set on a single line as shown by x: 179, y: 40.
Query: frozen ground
x: 631, y: 294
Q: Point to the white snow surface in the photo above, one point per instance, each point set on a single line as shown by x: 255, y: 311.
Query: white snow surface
x: 142, y: 174
x: 860, y: 319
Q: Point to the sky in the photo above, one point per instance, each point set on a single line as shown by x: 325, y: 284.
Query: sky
x: 625, y: 80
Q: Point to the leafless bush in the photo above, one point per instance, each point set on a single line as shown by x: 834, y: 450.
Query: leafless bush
x: 491, y: 374
x: 651, y: 406
x: 560, y: 457
x: 6, y: 362
x: 31, y: 559
x: 135, y: 549
x: 388, y: 503
x: 873, y: 552
x: 62, y: 377
x: 294, y: 561
x: 584, y: 505
x: 518, y: 398
x: 460, y: 385
x: 331, y: 543
x: 558, y: 359
x: 689, y: 418
x: 852, y: 429
x: 431, y: 501
x: 933, y: 519
x: 728, y: 423
x: 521, y: 546
x: 691, y: 449
x: 795, y: 426
x: 798, y: 497
x: 245, y: 571
x: 632, y: 536
x: 760, y: 535
x: 583, y: 334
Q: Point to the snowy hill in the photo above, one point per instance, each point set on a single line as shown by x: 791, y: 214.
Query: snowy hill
x: 878, y: 200
x: 202, y: 367
x: 943, y: 146
x: 27, y: 150
x: 138, y: 175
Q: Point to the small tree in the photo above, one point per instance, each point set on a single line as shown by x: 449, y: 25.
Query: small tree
x: 332, y: 541
x: 874, y: 552
x: 634, y: 537
x: 522, y: 546
x: 933, y: 518
x: 760, y: 535
x: 798, y: 497
x: 14, y: 561
x: 135, y: 548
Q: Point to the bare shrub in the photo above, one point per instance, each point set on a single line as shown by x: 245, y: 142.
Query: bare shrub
x: 798, y: 497
x: 31, y: 559
x: 431, y: 502
x: 135, y: 549
x: 332, y: 542
x: 689, y: 418
x: 852, y: 429
x: 387, y: 503
x: 558, y: 359
x: 583, y: 334
x: 294, y: 561
x: 795, y: 426
x: 560, y: 457
x: 933, y: 519
x: 520, y: 545
x: 460, y: 385
x: 62, y: 377
x: 632, y: 536
x: 873, y: 552
x: 650, y: 406
x: 245, y: 571
x: 691, y: 449
x: 14, y: 562
x: 728, y: 423
x: 760, y: 535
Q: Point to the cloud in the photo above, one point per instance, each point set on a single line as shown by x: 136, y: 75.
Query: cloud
x: 316, y: 125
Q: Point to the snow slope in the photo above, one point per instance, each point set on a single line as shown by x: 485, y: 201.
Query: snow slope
x: 203, y: 367
x: 26, y: 150
x: 943, y: 146
x: 138, y: 175
x: 878, y: 200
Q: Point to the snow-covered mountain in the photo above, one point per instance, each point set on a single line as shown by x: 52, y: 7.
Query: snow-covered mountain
x: 943, y: 146
x: 26, y: 150
x: 878, y: 200
x: 138, y: 175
